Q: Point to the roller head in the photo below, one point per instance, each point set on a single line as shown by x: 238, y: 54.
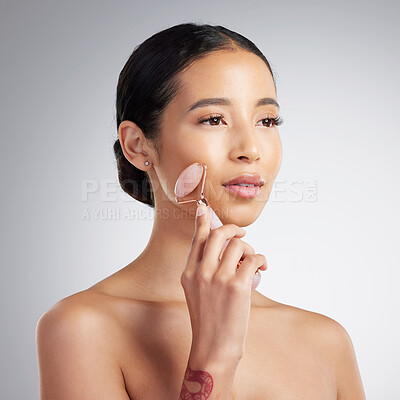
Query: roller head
x: 188, y: 180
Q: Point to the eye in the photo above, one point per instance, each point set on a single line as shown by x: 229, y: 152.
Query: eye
x: 216, y: 118
x: 213, y: 118
x: 276, y: 121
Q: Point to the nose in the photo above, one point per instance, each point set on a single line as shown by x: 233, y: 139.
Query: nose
x: 245, y: 146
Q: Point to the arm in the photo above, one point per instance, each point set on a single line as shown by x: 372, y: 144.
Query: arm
x: 218, y: 296
x: 208, y: 380
x: 76, y: 361
x: 337, y: 348
x: 349, y: 384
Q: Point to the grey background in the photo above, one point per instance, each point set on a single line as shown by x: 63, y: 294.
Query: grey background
x: 334, y: 252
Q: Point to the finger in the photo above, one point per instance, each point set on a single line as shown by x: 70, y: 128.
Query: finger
x: 216, y: 239
x: 201, y: 231
x: 224, y: 246
x: 249, y: 266
x: 237, y: 250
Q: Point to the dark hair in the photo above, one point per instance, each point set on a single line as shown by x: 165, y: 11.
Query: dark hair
x: 149, y: 81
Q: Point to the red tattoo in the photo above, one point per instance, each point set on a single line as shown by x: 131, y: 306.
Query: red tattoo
x: 205, y: 380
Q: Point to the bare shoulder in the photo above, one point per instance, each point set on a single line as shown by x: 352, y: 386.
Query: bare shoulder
x: 90, y: 316
x: 318, y: 326
x: 324, y: 331
x: 77, y: 313
x: 320, y: 329
x: 333, y: 343
x: 77, y: 342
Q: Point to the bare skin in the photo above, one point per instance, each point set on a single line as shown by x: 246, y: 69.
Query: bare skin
x: 129, y: 335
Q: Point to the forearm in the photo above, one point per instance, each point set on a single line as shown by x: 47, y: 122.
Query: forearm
x: 215, y: 380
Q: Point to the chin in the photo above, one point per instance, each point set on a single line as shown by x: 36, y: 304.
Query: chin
x: 239, y: 214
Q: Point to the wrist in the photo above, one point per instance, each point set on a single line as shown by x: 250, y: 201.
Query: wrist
x: 215, y: 355
x: 217, y: 365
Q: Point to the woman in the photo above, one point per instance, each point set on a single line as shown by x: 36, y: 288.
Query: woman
x: 178, y: 322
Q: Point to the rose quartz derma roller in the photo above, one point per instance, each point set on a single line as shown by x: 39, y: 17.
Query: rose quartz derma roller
x: 186, y: 183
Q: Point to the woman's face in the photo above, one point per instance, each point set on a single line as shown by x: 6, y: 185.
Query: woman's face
x: 239, y: 138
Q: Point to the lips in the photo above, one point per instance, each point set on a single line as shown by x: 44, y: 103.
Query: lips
x: 245, y: 180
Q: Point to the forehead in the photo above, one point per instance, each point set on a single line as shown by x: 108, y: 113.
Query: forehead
x: 234, y: 74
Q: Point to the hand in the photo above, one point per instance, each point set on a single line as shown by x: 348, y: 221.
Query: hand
x: 218, y: 294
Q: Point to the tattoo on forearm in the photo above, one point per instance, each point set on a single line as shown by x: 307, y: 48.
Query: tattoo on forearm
x: 202, y: 377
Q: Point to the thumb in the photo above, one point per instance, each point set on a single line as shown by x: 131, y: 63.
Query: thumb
x: 202, y: 215
x: 202, y: 229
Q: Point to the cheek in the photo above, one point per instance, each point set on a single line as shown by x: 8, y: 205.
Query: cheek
x: 273, y: 158
x: 199, y: 147
x: 278, y: 154
x: 179, y: 153
x: 273, y: 154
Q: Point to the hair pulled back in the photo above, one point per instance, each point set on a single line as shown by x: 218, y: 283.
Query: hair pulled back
x: 149, y: 81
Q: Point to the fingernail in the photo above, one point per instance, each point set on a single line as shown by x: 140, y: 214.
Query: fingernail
x: 201, y: 209
x: 244, y: 230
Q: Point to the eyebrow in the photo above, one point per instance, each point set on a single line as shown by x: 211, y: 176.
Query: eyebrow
x: 222, y: 101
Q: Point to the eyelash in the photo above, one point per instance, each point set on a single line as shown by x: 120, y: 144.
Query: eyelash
x: 277, y: 121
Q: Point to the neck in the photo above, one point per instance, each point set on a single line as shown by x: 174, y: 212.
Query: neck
x: 159, y: 267
x: 155, y: 273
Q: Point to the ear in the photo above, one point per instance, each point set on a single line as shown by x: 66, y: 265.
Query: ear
x: 133, y: 144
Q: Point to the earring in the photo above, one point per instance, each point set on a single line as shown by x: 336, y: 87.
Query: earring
x: 146, y: 163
